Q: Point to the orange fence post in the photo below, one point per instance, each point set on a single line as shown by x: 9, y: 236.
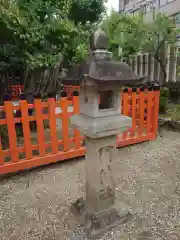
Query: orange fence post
x: 142, y: 111
x: 8, y: 107
x: 156, y: 110
x: 52, y: 125
x: 65, y: 120
x: 134, y: 105
x: 1, y: 154
x: 125, y: 100
x: 149, y: 110
x: 69, y: 89
x: 125, y: 106
x: 40, y: 126
x: 130, y: 102
x: 26, y: 129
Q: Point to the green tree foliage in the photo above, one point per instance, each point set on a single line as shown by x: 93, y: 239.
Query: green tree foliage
x: 161, y: 31
x: 161, y: 34
x: 125, y: 31
x: 39, y: 36
x: 86, y: 10
x: 133, y: 34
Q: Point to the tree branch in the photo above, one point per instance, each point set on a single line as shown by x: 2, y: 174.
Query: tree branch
x: 158, y: 58
x: 162, y: 66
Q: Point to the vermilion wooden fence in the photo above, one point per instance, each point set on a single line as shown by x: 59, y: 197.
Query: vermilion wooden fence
x: 60, y: 146
x: 69, y: 89
x: 64, y: 142
x: 142, y: 105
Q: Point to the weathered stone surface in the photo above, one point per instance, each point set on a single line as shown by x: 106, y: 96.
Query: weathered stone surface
x: 98, y: 223
x: 89, y: 102
x: 101, y: 127
x: 100, y: 188
x: 99, y: 213
x: 97, y: 123
x: 98, y: 40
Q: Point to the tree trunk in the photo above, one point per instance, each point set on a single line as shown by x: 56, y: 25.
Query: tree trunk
x: 3, y: 88
x: 42, y: 82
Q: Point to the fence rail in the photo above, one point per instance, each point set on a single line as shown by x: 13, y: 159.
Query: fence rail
x: 60, y: 141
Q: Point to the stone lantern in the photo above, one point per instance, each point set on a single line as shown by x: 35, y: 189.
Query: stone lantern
x: 100, y: 120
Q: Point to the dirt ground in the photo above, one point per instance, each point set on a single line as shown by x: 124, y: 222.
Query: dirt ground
x: 35, y: 205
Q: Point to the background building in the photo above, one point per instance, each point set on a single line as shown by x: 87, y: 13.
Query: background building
x: 151, y: 7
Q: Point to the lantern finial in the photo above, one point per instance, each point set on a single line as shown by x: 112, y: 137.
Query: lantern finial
x: 98, y: 40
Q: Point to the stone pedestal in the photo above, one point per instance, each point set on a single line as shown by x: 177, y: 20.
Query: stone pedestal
x: 99, y: 223
x: 100, y: 188
x: 99, y: 212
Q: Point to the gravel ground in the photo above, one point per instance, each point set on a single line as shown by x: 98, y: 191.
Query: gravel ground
x: 35, y: 205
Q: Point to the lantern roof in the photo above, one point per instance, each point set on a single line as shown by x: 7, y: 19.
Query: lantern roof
x: 100, y: 67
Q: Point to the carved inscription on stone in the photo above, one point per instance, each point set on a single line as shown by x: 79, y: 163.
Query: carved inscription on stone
x: 106, y: 174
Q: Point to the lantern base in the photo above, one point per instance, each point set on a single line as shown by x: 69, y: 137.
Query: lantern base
x: 101, y: 126
x: 97, y: 224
